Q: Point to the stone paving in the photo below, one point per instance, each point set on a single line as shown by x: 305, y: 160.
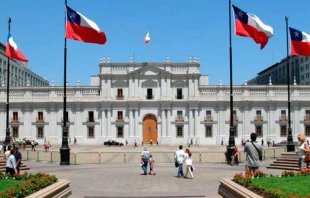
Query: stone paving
x: 126, y: 180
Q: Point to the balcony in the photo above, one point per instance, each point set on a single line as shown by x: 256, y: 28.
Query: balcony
x: 179, y: 119
x: 119, y: 97
x: 258, y: 118
x: 15, y: 120
x: 120, y: 120
x: 235, y: 118
x: 90, y: 119
x: 282, y: 118
x: 39, y: 119
x: 68, y: 119
x: 179, y: 97
x: 209, y: 119
x: 149, y: 97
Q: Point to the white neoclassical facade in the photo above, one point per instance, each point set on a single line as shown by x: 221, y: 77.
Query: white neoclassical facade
x: 171, y: 103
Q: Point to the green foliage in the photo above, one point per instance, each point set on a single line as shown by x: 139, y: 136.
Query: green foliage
x: 28, y: 184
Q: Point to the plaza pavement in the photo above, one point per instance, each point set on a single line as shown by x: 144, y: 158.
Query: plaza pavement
x: 126, y: 180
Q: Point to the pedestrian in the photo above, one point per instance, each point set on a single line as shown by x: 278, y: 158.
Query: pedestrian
x: 179, y: 158
x: 196, y: 142
x: 11, y: 164
x: 69, y: 140
x: 302, y: 151
x: 192, y: 141
x: 18, y: 158
x: 135, y: 145
x: 49, y: 145
x: 234, y: 156
x: 253, y: 152
x: 126, y: 142
x: 188, y: 163
x: 157, y: 143
x: 222, y: 142
x: 152, y: 164
x: 142, y: 143
x: 75, y: 140
x: 242, y: 142
x: 33, y: 145
x: 262, y: 142
x: 145, y: 159
x: 151, y: 142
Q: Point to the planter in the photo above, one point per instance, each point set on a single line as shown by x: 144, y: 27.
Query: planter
x: 230, y: 189
x: 59, y: 189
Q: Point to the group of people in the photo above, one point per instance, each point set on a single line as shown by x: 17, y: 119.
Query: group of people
x: 181, y: 157
x: 147, y: 159
x: 13, y: 161
x: 47, y: 145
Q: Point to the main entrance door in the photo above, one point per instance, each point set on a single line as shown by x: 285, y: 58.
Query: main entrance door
x: 149, y: 129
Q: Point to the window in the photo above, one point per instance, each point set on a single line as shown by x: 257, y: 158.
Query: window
x: 307, y: 117
x: 236, y: 131
x: 179, y: 94
x: 235, y: 118
x: 283, y: 131
x: 179, y: 116
x: 179, y: 131
x: 91, y: 116
x: 120, y: 116
x: 67, y: 117
x: 15, y: 116
x: 40, y: 132
x: 15, y: 132
x: 283, y: 115
x: 120, y: 132
x: 307, y: 130
x: 119, y: 93
x: 209, y: 131
x: 40, y: 116
x: 149, y: 94
x: 259, y: 131
x: 258, y: 115
x: 90, y: 132
x: 208, y: 115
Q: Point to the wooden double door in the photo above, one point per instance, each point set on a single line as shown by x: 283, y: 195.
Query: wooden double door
x: 150, y: 129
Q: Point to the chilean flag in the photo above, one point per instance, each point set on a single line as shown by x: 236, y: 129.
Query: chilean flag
x: 12, y: 50
x: 300, y: 42
x: 80, y: 28
x: 249, y: 25
x: 147, y: 38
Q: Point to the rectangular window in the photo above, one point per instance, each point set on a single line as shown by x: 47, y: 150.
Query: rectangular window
x: 259, y: 131
x: 235, y: 118
x: 40, y: 116
x: 179, y: 94
x: 236, y: 131
x: 179, y: 116
x: 15, y: 116
x: 90, y: 132
x: 307, y: 130
x: 119, y: 93
x: 258, y: 115
x: 208, y: 115
x: 91, y: 116
x: 15, y: 132
x: 149, y: 95
x: 307, y: 117
x: 209, y: 131
x: 120, y: 132
x: 179, y: 131
x: 283, y: 115
x: 120, y: 116
x: 40, y: 132
x: 283, y: 131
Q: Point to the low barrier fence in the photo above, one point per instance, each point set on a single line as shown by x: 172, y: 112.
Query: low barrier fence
x: 134, y: 157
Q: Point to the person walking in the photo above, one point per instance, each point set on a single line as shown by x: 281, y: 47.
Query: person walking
x: 135, y: 145
x: 145, y: 159
x: 179, y: 158
x: 253, y: 152
x: 302, y: 151
x: 188, y: 163
x: 152, y: 164
x: 11, y: 164
x: 75, y: 140
x: 18, y: 158
x: 234, y: 157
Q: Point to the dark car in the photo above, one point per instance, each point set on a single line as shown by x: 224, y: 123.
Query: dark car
x: 113, y: 143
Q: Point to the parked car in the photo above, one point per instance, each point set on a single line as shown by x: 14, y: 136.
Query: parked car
x: 113, y: 143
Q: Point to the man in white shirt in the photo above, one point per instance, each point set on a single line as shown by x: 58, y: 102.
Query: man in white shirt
x: 11, y: 164
x: 145, y: 159
x: 179, y: 158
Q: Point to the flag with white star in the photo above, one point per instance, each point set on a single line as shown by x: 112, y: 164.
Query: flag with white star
x: 300, y: 42
x: 249, y: 25
x: 80, y: 28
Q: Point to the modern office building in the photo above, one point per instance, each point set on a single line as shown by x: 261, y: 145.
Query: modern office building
x: 171, y: 103
x: 20, y: 74
x: 277, y: 73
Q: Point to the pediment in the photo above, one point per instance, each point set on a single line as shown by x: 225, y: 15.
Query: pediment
x: 149, y: 70
x: 179, y: 83
x: 149, y: 83
x: 120, y: 83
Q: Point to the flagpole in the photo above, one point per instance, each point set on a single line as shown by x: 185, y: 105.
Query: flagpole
x: 7, y: 144
x: 231, y: 142
x: 290, y: 145
x: 65, y: 150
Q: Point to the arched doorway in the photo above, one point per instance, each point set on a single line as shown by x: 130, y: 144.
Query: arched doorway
x: 149, y: 129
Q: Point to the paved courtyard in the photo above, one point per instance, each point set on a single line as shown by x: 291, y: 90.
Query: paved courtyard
x: 126, y: 180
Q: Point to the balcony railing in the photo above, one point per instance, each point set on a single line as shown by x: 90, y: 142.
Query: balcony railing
x: 149, y: 97
x: 283, y: 118
x: 208, y: 119
x: 15, y: 120
x: 258, y: 118
x: 119, y: 97
x: 90, y: 119
x: 68, y: 119
x: 119, y: 120
x: 307, y: 118
x: 179, y: 97
x: 179, y: 119
x: 40, y: 120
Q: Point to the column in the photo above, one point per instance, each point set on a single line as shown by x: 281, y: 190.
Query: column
x: 103, y: 124
x: 109, y: 86
x: 196, y: 87
x: 134, y: 86
x: 190, y: 127
x: 163, y: 123
x: 168, y: 86
x: 131, y: 132
x: 136, y: 129
x: 109, y: 123
x: 162, y: 80
x: 196, y: 132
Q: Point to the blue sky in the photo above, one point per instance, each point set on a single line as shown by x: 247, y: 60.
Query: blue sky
x: 179, y: 28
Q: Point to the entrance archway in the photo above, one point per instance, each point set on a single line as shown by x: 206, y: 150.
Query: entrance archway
x: 149, y: 129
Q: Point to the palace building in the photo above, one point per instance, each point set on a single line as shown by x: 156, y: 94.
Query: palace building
x: 171, y: 103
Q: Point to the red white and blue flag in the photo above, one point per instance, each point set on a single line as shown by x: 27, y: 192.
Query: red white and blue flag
x: 12, y: 50
x: 300, y: 42
x: 80, y: 28
x: 249, y: 25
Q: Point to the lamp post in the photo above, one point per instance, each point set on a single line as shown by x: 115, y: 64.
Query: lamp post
x: 231, y: 142
x: 7, y: 142
x: 290, y: 145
